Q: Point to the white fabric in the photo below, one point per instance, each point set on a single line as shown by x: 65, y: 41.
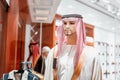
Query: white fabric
x: 25, y: 75
x: 49, y: 65
x: 91, y: 69
x: 65, y: 64
x: 11, y: 75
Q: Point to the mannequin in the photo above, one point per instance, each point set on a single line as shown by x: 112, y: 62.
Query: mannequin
x: 40, y: 65
x: 34, y: 53
x: 75, y: 60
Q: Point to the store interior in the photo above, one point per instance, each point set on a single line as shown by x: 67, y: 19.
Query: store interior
x: 19, y: 26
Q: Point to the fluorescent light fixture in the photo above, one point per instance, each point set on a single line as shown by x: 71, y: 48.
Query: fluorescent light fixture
x: 41, y: 2
x: 109, y: 7
x: 41, y: 11
x: 70, y: 6
x: 39, y: 18
x: 36, y: 33
x: 113, y: 28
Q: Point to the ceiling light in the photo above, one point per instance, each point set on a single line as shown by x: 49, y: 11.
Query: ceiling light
x: 109, y: 7
x: 70, y: 6
x: 41, y: 2
x: 118, y: 13
x: 36, y: 33
x: 41, y: 11
x: 39, y: 18
x: 113, y: 28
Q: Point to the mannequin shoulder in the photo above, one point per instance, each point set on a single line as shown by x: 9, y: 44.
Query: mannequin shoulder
x: 91, y: 55
x: 90, y: 52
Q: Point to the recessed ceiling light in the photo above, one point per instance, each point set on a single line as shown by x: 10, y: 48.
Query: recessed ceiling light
x: 109, y: 7
x: 118, y: 13
x: 41, y: 11
x: 42, y: 2
x: 39, y: 18
x: 70, y: 6
x: 113, y: 28
x: 36, y: 33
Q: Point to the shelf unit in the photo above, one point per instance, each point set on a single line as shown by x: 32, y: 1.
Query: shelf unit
x: 89, y: 33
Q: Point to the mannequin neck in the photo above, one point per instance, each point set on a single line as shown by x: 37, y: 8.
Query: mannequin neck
x: 71, y: 40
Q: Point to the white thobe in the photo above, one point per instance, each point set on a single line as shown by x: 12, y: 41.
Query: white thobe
x: 91, y: 69
x: 65, y: 63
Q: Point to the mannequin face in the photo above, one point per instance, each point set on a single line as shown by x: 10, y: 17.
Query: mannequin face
x: 69, y: 27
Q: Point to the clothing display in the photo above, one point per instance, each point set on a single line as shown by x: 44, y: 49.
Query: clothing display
x: 117, y: 61
x: 26, y: 75
x: 66, y: 65
x: 40, y: 65
x: 106, y: 55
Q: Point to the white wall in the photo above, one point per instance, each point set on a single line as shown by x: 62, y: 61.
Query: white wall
x: 104, y: 35
x: 90, y: 15
x: 27, y: 41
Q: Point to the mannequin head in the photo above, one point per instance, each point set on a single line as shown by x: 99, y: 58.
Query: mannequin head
x: 70, y: 23
x: 69, y: 27
x: 45, y: 51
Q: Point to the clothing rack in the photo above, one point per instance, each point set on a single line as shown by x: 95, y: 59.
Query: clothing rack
x: 24, y: 66
x: 25, y: 70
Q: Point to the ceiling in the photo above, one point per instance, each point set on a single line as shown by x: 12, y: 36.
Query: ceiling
x: 36, y: 11
x: 108, y: 7
x: 43, y: 11
x: 92, y: 14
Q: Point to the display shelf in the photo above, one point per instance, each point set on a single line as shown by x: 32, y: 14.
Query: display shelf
x: 90, y: 33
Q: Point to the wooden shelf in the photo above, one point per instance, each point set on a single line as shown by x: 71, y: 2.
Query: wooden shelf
x: 90, y: 43
x: 90, y: 33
